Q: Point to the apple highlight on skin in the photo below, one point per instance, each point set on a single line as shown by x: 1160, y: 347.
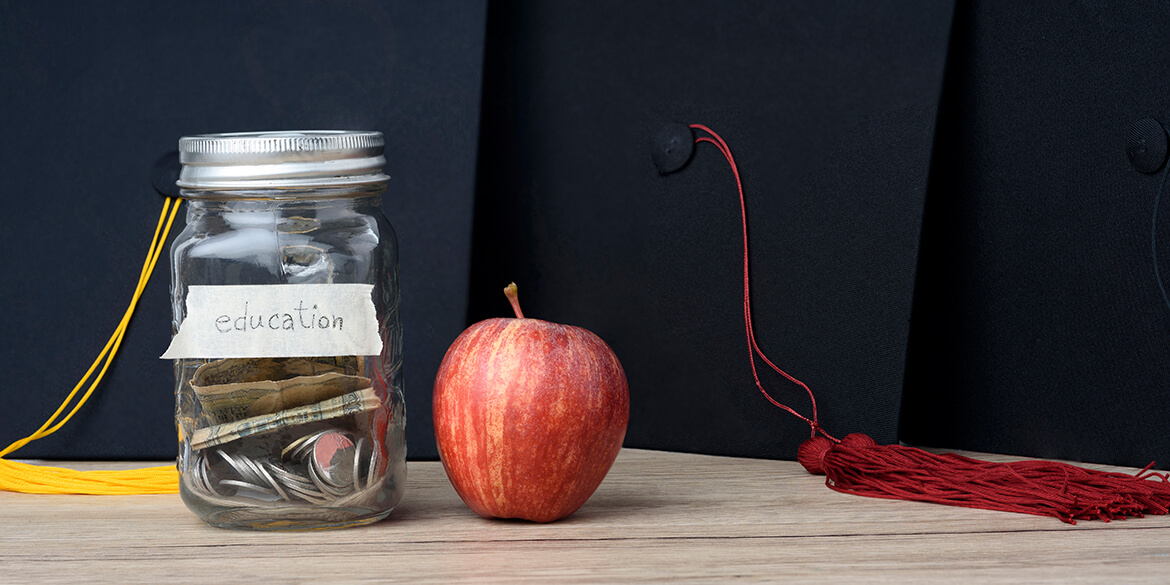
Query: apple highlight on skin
x: 529, y: 416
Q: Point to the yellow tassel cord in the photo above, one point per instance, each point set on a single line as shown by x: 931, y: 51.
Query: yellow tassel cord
x: 34, y: 479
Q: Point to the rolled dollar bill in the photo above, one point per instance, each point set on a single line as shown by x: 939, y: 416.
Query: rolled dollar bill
x: 345, y: 404
x: 235, y: 389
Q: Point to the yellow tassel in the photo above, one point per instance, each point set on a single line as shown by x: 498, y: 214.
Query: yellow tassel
x: 35, y: 479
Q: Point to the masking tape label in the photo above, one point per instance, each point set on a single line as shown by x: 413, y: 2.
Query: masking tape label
x: 277, y: 320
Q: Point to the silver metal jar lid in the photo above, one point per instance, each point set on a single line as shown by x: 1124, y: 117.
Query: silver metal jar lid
x: 281, y: 160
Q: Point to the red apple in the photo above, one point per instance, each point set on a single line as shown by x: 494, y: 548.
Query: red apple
x: 529, y: 416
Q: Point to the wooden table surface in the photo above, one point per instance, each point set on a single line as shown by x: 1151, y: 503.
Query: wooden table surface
x: 663, y: 517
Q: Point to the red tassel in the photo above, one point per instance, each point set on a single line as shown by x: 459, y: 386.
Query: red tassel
x: 858, y: 466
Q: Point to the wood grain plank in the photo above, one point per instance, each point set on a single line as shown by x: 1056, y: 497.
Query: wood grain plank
x: 658, y: 516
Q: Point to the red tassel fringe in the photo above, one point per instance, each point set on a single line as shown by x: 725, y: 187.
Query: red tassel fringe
x: 858, y: 466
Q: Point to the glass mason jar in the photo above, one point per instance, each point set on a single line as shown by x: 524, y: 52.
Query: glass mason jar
x: 287, y: 345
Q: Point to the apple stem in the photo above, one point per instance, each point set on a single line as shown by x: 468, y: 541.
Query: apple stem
x: 512, y: 292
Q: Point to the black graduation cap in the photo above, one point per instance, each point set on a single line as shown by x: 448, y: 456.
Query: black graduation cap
x: 1040, y: 324
x: 830, y: 111
x: 94, y: 97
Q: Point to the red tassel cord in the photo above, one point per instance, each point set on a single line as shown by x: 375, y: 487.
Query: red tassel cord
x: 856, y: 465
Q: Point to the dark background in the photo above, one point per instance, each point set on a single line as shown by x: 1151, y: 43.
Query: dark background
x: 829, y: 109
x: 1038, y: 324
x: 948, y: 241
x: 92, y: 94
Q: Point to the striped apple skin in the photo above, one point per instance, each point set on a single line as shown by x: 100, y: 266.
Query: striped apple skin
x: 529, y: 416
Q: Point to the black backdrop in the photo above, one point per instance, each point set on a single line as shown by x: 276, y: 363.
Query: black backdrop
x: 1039, y: 327
x: 92, y: 94
x: 830, y: 110
x: 1025, y: 319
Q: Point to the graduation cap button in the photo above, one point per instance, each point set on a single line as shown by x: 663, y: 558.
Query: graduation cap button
x: 672, y: 147
x: 1146, y: 145
x: 165, y: 173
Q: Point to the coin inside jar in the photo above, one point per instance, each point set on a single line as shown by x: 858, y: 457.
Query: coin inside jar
x: 298, y: 448
x: 332, y: 459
